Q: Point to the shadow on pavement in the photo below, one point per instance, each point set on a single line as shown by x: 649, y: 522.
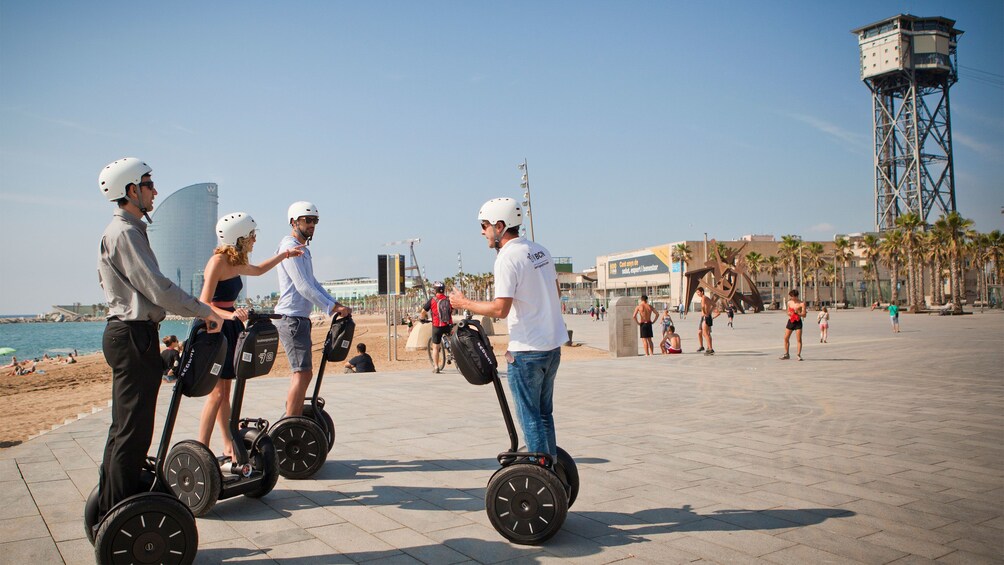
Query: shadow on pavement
x: 585, y: 533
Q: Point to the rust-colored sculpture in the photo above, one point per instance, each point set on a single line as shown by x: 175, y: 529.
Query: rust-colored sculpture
x: 723, y: 283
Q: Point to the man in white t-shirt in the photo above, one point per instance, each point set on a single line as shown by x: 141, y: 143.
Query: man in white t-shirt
x: 526, y: 294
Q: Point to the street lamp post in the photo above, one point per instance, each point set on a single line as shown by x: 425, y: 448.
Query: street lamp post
x: 525, y: 185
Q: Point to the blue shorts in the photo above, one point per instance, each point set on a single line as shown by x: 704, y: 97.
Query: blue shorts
x: 294, y: 333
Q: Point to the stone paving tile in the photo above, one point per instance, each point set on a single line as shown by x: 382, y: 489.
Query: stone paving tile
x: 802, y: 554
x: 909, y: 545
x: 229, y: 551
x: 16, y: 501
x: 849, y: 547
x: 77, y: 551
x: 37, y: 550
x: 713, y: 552
x: 24, y: 528
x: 308, y: 552
x: 966, y: 558
x: 421, y: 547
x: 55, y: 492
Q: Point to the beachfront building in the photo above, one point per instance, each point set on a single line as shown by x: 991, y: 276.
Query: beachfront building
x: 657, y: 272
x: 183, y: 234
x: 347, y: 290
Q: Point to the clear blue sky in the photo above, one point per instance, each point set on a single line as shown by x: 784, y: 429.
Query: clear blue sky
x: 643, y: 123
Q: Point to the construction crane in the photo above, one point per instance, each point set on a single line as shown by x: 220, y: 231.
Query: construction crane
x: 419, y: 279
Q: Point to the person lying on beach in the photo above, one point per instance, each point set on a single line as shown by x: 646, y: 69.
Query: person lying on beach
x: 13, y: 362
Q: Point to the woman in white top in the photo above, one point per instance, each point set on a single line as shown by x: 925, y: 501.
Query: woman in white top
x: 823, y: 319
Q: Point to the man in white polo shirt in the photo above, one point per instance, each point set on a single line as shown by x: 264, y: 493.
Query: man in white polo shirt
x: 526, y: 294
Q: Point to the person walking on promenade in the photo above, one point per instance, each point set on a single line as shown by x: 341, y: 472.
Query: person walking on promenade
x: 138, y: 297
x: 170, y: 356
x: 298, y: 291
x: 708, y: 314
x: 527, y: 295
x: 441, y: 311
x: 643, y: 317
x: 894, y: 317
x: 730, y: 312
x: 796, y: 312
x: 683, y: 311
x: 823, y: 319
x: 220, y: 288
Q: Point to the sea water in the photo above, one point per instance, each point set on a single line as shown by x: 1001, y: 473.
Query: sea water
x: 35, y: 339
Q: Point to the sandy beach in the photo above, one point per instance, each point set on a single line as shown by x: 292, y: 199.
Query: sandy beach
x: 34, y: 403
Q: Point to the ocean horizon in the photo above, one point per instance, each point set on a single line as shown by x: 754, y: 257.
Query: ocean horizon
x: 33, y: 340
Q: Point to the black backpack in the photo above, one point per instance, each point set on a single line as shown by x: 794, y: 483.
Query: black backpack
x: 473, y: 352
x: 339, y: 340
x: 444, y: 313
x: 201, y: 360
x: 256, y: 349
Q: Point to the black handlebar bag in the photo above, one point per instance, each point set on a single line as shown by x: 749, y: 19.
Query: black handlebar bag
x: 473, y: 353
x: 339, y: 340
x: 257, y: 347
x: 201, y: 361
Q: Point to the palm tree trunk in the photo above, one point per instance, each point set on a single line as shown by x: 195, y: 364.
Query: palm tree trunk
x: 878, y: 282
x: 893, y: 286
x: 843, y: 284
x: 955, y: 284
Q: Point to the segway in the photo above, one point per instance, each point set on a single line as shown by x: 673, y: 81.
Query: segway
x: 528, y: 498
x: 200, y: 479
x: 154, y: 526
x: 302, y: 442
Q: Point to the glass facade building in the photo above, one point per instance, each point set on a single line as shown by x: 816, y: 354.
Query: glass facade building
x: 183, y: 234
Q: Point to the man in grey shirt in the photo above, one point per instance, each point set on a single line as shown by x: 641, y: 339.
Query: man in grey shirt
x: 138, y: 296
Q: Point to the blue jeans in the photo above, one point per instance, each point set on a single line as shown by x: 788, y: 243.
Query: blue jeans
x: 531, y: 380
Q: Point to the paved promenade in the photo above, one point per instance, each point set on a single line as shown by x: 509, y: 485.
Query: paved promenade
x: 878, y: 448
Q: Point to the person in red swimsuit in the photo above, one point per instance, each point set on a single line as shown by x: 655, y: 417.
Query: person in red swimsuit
x: 796, y: 312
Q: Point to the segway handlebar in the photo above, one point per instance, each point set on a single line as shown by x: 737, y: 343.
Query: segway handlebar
x: 252, y: 315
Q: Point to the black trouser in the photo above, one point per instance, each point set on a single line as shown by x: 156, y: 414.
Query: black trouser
x: 132, y: 351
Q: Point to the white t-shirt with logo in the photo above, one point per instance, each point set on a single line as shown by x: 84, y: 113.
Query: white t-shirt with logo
x: 525, y: 272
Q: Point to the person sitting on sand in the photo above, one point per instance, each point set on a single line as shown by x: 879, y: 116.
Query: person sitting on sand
x: 70, y: 359
x: 671, y: 342
x: 13, y: 362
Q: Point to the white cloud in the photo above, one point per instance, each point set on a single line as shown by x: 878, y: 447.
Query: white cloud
x: 978, y: 146
x: 847, y: 137
x: 823, y: 227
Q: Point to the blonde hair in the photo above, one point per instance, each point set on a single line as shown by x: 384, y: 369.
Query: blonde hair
x: 235, y: 254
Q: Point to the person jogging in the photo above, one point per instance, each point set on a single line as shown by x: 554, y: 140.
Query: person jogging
x: 527, y: 296
x: 299, y: 291
x: 222, y: 284
x: 440, y: 310
x: 139, y: 297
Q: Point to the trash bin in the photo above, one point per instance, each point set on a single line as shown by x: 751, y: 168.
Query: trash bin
x: 569, y: 342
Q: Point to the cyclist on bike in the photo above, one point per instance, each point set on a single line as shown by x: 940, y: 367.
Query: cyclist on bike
x: 442, y: 318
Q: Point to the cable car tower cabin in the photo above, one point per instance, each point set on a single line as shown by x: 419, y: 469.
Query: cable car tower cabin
x: 909, y: 63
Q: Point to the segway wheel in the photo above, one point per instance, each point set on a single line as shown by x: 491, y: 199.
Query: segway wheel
x: 569, y: 473
x: 300, y: 446
x: 324, y: 421
x: 193, y: 475
x: 152, y: 527
x: 262, y: 459
x: 91, y: 512
x: 526, y: 503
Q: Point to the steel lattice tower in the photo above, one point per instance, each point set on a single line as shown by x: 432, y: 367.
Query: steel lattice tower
x: 909, y: 64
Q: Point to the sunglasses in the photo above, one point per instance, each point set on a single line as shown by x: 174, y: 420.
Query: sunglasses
x: 309, y: 219
x: 146, y: 183
x: 485, y: 225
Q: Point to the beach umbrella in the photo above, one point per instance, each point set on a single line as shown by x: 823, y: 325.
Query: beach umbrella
x: 7, y: 350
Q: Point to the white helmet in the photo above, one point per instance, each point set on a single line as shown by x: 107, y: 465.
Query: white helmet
x: 234, y: 226
x: 117, y: 175
x: 301, y: 208
x: 504, y: 209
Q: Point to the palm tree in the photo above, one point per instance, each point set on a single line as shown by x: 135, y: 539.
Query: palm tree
x: 789, y: 249
x: 910, y: 225
x: 871, y: 247
x: 954, y: 227
x: 932, y: 253
x: 892, y: 256
x: 814, y: 261
x: 754, y: 261
x: 682, y: 255
x: 842, y: 254
x: 830, y: 278
x: 996, y: 255
x: 773, y: 269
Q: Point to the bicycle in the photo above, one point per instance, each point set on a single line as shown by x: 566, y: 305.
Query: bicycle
x: 445, y: 356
